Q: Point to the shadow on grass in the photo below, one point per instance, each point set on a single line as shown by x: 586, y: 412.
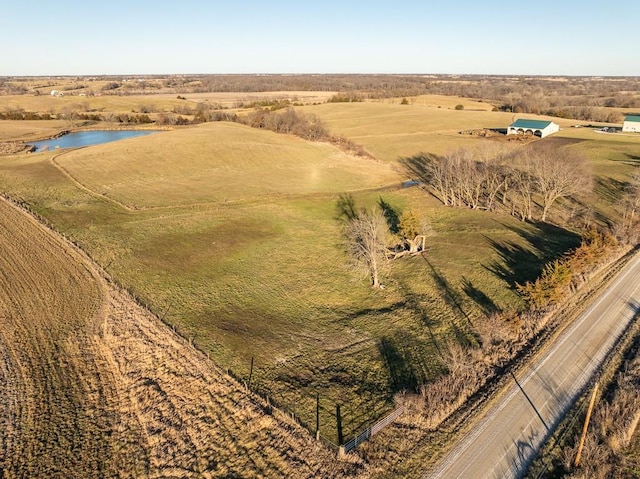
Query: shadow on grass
x: 418, y: 168
x: 634, y: 159
x: 391, y: 215
x: 402, y: 372
x: 374, y: 311
x: 454, y: 301
x: 521, y: 263
x: 609, y: 189
x: 484, y: 302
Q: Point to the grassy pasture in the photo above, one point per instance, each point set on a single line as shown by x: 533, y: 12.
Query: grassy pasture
x: 263, y: 274
x: 219, y: 162
x: 95, y: 386
x: 390, y: 131
x: 441, y: 101
x: 230, y: 234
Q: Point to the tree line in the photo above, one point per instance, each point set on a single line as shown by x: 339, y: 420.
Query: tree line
x: 526, y: 182
x: 583, y: 98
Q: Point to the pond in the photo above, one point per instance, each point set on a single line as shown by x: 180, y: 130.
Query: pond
x: 88, y: 138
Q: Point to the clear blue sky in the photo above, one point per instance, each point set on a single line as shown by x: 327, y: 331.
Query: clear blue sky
x: 568, y: 37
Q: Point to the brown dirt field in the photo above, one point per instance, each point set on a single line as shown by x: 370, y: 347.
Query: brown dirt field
x: 93, y: 385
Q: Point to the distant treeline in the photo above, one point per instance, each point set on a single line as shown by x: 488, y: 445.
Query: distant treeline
x: 583, y: 98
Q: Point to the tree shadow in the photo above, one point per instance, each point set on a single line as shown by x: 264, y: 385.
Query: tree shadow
x: 453, y: 300
x: 372, y: 311
x: 609, y: 189
x: 412, y: 302
x: 484, y: 302
x: 634, y: 159
x: 402, y: 356
x: 346, y: 207
x: 391, y: 215
x: 418, y: 165
x: 519, y: 263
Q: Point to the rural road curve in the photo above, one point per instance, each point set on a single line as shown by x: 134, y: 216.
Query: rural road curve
x: 507, y: 438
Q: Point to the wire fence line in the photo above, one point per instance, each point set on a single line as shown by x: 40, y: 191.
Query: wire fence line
x: 371, y: 430
x: 295, y: 410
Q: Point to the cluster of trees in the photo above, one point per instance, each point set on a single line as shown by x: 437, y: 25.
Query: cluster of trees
x: 289, y: 122
x: 561, y: 276
x: 21, y: 114
x: 377, y: 235
x: 524, y: 181
x: 292, y: 122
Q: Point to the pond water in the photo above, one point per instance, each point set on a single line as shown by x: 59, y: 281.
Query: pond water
x: 88, y: 138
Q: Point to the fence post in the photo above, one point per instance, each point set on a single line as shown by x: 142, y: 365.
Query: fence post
x: 339, y: 425
x: 250, y: 372
x: 317, y: 416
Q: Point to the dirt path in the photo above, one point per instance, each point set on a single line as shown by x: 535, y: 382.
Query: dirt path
x: 93, y: 385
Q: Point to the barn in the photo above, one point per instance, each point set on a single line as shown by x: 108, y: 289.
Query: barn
x: 631, y: 124
x: 539, y: 128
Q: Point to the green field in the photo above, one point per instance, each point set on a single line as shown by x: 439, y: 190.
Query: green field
x: 231, y: 234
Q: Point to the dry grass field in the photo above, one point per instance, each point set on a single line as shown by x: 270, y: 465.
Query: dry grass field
x: 29, y: 130
x: 230, y: 234
x: 219, y: 163
x: 391, y: 130
x: 93, y: 385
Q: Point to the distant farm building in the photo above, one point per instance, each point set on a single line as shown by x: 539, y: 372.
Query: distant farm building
x: 539, y: 128
x: 631, y: 124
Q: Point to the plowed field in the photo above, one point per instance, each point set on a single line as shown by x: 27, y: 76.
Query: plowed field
x: 93, y: 385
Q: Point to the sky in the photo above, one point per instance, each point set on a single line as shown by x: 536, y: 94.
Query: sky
x: 543, y: 37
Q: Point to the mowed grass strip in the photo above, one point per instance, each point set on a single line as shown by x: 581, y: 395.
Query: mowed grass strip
x: 219, y: 162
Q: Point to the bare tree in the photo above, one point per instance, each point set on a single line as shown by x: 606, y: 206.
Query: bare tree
x: 627, y: 229
x: 519, y: 189
x: 368, y: 235
x: 70, y: 114
x: 558, y: 174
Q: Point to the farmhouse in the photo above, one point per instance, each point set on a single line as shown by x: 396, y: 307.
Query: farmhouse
x: 631, y: 124
x: 539, y: 128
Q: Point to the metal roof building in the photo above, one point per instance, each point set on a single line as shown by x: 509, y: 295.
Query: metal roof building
x: 539, y: 128
x: 631, y: 123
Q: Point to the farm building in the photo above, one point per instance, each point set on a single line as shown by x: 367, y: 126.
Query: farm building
x: 539, y: 128
x: 631, y: 124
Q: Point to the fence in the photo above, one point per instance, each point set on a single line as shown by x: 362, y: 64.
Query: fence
x: 370, y: 431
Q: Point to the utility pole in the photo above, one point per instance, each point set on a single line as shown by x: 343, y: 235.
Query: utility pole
x: 586, y: 425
